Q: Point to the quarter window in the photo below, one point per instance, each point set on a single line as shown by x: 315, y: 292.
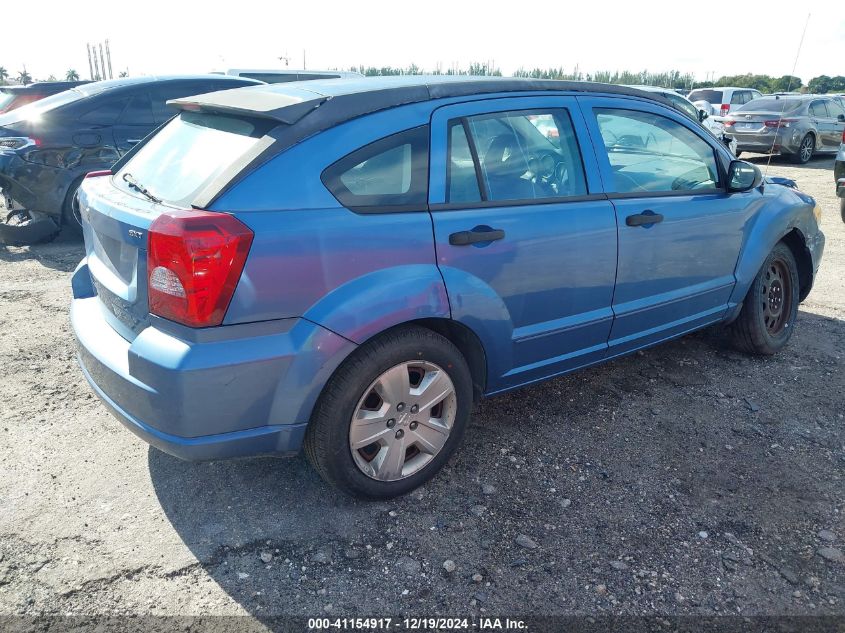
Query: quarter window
x: 388, y: 175
x: 521, y: 155
x: 652, y: 153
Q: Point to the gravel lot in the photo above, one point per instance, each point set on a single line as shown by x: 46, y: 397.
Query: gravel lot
x: 688, y: 479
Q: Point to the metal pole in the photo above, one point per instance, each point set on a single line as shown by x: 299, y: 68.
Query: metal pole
x: 102, y: 61
x: 90, y: 65
x: 108, y: 57
x: 96, y: 67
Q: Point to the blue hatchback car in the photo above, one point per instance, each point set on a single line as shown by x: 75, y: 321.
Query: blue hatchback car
x: 346, y: 265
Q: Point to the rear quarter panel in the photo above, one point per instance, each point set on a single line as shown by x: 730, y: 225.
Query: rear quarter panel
x: 355, y: 274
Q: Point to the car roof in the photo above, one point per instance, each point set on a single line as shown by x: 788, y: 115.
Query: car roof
x: 44, y: 86
x: 126, y: 82
x: 339, y: 100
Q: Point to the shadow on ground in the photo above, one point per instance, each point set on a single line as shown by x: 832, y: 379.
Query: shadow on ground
x: 629, y: 462
x: 62, y: 254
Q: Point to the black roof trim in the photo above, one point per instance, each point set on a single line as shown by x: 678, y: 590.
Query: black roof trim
x: 289, y: 103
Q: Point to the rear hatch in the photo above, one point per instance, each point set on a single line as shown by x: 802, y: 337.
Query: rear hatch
x: 163, y: 177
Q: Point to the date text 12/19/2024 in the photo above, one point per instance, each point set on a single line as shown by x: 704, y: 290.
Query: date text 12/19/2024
x: 417, y: 624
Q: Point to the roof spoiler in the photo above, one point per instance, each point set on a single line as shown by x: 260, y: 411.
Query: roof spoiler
x: 287, y: 109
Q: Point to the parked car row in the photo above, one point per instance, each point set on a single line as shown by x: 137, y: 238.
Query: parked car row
x: 48, y: 146
x: 348, y: 268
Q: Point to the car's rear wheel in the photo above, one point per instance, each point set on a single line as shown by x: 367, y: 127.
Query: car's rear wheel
x: 805, y: 150
x: 769, y: 310
x: 842, y: 208
x: 392, y: 414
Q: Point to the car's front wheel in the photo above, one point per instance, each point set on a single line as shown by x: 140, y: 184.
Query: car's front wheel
x: 769, y: 310
x: 392, y: 414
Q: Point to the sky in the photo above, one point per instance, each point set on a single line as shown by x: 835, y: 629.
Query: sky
x: 704, y: 38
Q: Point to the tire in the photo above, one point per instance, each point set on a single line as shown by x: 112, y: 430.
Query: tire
x: 353, y: 394
x: 842, y: 208
x: 71, y: 222
x: 767, y: 319
x: 805, y: 150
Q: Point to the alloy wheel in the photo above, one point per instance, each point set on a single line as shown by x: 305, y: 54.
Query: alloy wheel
x: 806, y: 149
x: 403, y: 420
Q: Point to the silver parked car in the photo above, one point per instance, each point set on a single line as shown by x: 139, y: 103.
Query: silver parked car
x: 722, y: 100
x: 798, y: 127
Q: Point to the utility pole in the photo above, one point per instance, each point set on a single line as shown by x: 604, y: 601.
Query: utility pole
x: 102, y: 61
x: 108, y: 57
x: 303, y: 59
x: 90, y: 65
x: 96, y: 67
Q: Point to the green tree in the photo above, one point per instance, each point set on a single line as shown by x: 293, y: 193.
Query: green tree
x: 4, y: 75
x: 72, y: 75
x: 24, y: 77
x: 123, y: 73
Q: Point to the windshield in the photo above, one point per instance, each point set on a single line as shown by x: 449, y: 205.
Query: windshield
x: 768, y: 104
x: 188, y: 153
x: 711, y: 96
x: 35, y: 110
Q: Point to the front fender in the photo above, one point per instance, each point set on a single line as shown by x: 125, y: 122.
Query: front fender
x: 379, y: 300
x: 785, y: 211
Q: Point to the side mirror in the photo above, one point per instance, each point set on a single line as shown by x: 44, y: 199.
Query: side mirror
x: 841, y: 118
x: 743, y: 176
x: 702, y: 114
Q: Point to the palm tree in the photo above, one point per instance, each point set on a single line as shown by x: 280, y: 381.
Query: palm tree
x: 123, y: 73
x: 4, y: 74
x: 24, y: 77
x: 72, y: 75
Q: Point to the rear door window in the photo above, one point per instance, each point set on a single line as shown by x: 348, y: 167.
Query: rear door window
x: 104, y: 112
x: 652, y: 153
x: 390, y: 174
x: 139, y: 111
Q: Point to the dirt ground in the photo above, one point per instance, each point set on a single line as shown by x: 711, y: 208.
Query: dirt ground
x: 687, y: 479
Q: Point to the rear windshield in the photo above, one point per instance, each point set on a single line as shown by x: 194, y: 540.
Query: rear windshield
x: 770, y: 104
x: 38, y: 108
x: 188, y: 153
x: 711, y: 96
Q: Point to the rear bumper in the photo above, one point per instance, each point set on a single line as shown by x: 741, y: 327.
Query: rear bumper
x: 232, y: 391
x: 786, y: 142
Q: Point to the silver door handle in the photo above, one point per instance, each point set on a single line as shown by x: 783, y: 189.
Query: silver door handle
x: 133, y: 140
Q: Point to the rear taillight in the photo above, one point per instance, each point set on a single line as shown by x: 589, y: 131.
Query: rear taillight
x: 194, y: 262
x: 779, y: 122
x: 726, y: 107
x: 843, y: 136
x: 97, y: 174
